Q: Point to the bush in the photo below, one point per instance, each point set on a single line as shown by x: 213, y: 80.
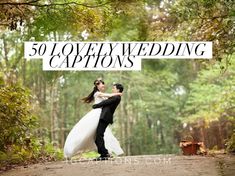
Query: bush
x: 16, y: 120
x: 231, y: 144
x: 18, y: 140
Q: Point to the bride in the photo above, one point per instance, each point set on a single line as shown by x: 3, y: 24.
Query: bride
x: 82, y: 136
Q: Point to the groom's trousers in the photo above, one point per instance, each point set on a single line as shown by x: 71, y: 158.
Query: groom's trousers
x: 99, y: 141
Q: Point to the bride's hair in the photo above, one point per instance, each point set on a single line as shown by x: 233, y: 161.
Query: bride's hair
x: 90, y: 97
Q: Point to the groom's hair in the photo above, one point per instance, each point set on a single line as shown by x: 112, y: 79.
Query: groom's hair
x: 119, y: 87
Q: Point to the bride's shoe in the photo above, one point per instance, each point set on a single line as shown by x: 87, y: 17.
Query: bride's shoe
x: 68, y: 160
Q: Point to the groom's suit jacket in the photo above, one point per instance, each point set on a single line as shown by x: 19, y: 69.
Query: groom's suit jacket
x: 108, y: 107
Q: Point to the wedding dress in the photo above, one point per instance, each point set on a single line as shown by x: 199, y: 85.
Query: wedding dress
x: 82, y: 136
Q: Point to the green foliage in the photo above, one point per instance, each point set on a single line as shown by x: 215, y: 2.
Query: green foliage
x: 89, y: 155
x: 156, y: 100
x: 51, y: 152
x: 16, y: 124
x: 193, y: 20
x: 231, y: 144
x: 15, y: 117
x: 18, y: 140
x: 211, y: 95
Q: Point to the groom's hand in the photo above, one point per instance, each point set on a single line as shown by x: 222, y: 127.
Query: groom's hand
x: 94, y: 106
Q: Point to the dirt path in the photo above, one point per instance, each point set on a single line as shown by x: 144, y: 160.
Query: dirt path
x: 151, y: 165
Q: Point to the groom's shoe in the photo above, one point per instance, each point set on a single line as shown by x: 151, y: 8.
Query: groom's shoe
x: 108, y: 156
x: 103, y: 157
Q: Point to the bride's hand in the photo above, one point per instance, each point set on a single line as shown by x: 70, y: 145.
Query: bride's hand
x: 119, y: 94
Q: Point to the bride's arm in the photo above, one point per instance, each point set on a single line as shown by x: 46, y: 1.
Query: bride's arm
x: 101, y: 94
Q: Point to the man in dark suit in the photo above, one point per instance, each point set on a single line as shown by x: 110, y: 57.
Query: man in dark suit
x: 108, y: 108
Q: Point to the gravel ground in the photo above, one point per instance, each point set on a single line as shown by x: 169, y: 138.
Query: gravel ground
x: 150, y: 165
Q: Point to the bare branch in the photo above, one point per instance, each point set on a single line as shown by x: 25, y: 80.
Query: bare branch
x: 34, y: 3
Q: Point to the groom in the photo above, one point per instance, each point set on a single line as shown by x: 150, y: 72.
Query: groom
x: 108, y: 107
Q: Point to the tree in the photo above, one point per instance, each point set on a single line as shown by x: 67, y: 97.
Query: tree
x: 193, y: 20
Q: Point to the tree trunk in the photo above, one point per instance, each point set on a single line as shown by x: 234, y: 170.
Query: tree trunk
x: 54, y: 113
x: 63, y: 117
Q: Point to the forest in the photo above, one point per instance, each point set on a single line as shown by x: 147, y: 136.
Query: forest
x: 168, y: 100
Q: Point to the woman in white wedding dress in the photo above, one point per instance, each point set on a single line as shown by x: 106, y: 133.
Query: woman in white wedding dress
x: 82, y: 136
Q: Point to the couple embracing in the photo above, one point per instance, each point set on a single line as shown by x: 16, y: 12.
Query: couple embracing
x: 92, y: 131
